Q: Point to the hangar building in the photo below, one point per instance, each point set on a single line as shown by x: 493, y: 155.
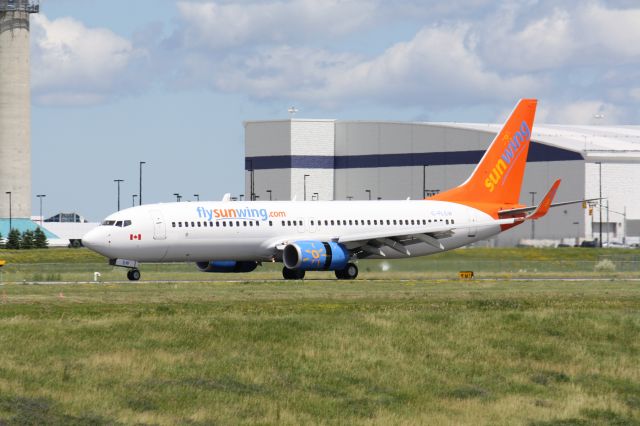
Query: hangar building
x: 336, y: 160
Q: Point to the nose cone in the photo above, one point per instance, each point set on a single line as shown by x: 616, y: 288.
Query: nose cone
x: 94, y: 240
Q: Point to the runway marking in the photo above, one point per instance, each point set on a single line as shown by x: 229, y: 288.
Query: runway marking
x: 271, y: 280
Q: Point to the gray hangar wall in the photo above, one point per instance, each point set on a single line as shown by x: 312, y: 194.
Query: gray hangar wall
x: 358, y: 160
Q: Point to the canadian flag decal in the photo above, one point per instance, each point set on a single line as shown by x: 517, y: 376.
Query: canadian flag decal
x: 135, y: 236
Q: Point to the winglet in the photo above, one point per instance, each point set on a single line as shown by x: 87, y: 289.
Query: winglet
x: 544, y: 205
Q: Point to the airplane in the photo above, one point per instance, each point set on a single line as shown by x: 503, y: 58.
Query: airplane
x: 230, y: 236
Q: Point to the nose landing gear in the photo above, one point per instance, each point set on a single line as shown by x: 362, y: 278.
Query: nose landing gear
x: 133, y: 273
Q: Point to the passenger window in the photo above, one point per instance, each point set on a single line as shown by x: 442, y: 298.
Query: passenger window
x: 375, y: 222
x: 237, y: 223
x: 250, y: 223
x: 257, y: 223
x: 395, y: 222
x: 179, y: 224
x: 368, y: 221
x: 326, y: 223
x: 452, y: 222
x: 447, y: 221
x: 288, y: 223
x: 199, y: 224
x: 224, y: 224
x: 173, y: 224
x: 270, y: 223
x: 311, y: 222
x: 217, y: 224
x: 244, y: 223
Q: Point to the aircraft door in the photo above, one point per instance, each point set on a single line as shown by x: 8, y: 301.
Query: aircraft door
x: 159, y: 226
x: 473, y: 229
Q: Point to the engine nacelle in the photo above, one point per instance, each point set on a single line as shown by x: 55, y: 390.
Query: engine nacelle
x: 315, y: 256
x: 227, y: 266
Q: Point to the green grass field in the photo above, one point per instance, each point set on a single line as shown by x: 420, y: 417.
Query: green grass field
x: 422, y: 351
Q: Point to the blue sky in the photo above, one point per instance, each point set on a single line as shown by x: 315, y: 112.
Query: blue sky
x: 170, y: 82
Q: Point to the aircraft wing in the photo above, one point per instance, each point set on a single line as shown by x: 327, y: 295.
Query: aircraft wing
x: 372, y: 241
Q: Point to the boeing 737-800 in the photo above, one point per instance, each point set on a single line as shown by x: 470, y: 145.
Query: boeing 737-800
x: 231, y: 236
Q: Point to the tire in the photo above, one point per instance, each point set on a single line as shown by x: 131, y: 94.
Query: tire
x: 133, y: 274
x: 292, y: 274
x: 348, y: 273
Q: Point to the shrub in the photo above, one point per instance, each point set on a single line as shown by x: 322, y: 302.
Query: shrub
x: 40, y: 239
x: 605, y: 265
x: 13, y: 241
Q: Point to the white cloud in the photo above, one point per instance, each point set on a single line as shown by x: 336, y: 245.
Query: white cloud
x: 73, y: 64
x: 582, y: 112
x: 568, y: 36
x: 438, y: 66
x: 220, y: 25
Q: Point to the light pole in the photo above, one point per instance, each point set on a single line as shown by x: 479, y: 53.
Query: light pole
x: 577, y: 233
x: 600, y: 201
x: 315, y: 196
x: 368, y: 191
x: 305, y: 187
x: 118, y: 182
x: 424, y: 180
x: 269, y: 191
x: 533, y: 222
x: 133, y: 198
x: 10, y: 214
x: 241, y: 196
x: 178, y: 196
x: 140, y: 189
x: 197, y: 197
x: 41, y: 196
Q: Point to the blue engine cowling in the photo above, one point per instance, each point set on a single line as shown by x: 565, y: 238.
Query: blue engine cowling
x: 227, y: 266
x: 315, y: 256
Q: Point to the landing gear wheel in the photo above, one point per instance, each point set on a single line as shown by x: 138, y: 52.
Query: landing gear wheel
x: 133, y: 274
x: 292, y: 274
x: 348, y: 273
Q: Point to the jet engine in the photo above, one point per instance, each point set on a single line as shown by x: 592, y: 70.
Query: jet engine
x: 315, y: 256
x: 226, y: 266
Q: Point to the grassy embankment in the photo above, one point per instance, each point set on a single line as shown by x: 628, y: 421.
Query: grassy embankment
x: 80, y: 264
x: 385, y: 352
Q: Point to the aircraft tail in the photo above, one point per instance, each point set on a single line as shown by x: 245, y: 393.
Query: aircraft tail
x: 497, y: 178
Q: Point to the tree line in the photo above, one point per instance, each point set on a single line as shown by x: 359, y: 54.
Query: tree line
x: 26, y: 240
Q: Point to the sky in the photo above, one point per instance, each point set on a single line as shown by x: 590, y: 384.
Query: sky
x: 170, y: 82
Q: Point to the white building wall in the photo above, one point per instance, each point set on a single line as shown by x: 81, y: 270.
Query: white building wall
x: 621, y: 188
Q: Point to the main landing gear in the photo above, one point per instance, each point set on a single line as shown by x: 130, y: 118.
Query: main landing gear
x: 292, y: 274
x: 133, y: 274
x: 348, y: 273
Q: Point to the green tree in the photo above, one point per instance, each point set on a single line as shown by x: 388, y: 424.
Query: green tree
x: 27, y: 240
x: 40, y: 239
x: 13, y: 241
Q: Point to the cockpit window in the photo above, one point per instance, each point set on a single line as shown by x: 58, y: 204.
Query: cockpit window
x: 126, y: 223
x: 119, y: 223
x: 108, y: 223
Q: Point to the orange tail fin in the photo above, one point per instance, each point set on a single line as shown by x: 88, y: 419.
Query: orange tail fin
x: 497, y: 178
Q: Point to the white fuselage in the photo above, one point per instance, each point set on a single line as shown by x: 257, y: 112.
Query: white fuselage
x: 236, y: 230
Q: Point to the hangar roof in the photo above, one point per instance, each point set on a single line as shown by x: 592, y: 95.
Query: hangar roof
x: 594, y: 143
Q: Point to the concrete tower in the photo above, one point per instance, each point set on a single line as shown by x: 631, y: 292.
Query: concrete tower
x: 15, y: 107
